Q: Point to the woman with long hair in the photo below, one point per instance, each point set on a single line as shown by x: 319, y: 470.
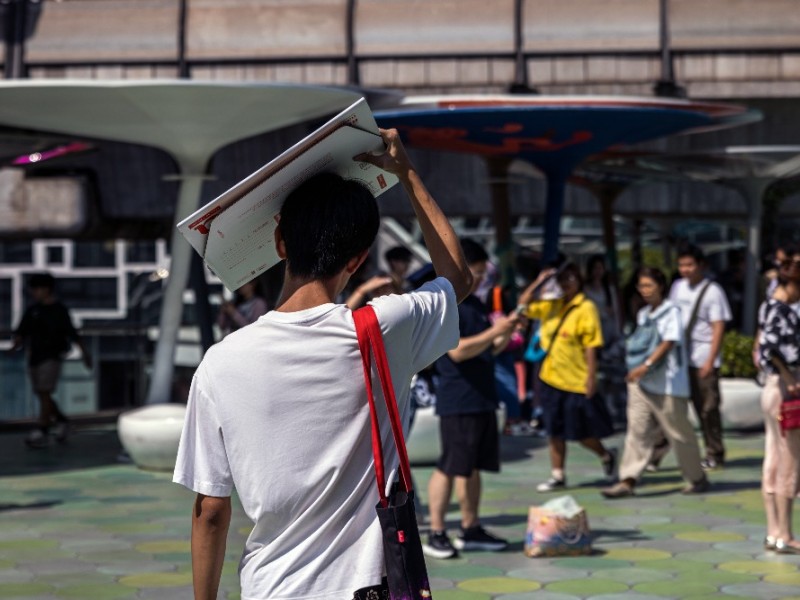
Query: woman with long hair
x: 779, y: 353
x: 658, y: 390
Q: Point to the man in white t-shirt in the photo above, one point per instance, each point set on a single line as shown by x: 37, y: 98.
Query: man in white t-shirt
x: 278, y: 409
x: 704, y: 335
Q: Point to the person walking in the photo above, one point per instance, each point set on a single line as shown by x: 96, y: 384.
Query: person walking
x: 278, y: 409
x: 704, y: 310
x: 466, y: 403
x: 658, y: 389
x: 571, y: 408
x: 779, y: 357
x: 47, y: 334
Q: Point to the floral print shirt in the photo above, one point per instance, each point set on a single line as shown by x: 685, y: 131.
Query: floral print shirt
x: 780, y: 335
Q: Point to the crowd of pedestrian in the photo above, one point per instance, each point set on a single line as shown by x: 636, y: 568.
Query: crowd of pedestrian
x: 546, y: 361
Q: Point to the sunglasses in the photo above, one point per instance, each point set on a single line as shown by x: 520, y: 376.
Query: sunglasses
x: 789, y: 262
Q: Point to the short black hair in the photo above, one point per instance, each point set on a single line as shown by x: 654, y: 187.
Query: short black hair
x: 570, y: 269
x: 692, y: 251
x: 325, y: 222
x: 42, y: 280
x: 657, y: 275
x: 473, y: 251
x: 400, y: 253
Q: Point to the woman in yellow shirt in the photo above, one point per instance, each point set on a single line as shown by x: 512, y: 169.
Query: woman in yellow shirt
x: 572, y: 410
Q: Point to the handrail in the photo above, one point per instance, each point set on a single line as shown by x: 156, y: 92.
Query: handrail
x: 654, y: 53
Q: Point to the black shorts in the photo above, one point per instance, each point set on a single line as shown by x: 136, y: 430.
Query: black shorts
x: 469, y: 442
x: 572, y: 416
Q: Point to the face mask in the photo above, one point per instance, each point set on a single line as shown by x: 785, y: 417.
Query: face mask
x: 552, y: 291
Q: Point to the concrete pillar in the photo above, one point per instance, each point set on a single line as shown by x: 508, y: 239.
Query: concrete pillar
x: 501, y: 215
x: 752, y: 190
x: 172, y: 303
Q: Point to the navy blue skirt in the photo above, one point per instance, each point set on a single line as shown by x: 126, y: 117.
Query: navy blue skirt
x: 572, y: 416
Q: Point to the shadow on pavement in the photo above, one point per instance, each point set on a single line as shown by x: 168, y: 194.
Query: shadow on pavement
x: 86, y: 448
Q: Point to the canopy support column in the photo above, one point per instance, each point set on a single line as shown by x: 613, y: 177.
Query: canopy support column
x: 501, y: 214
x: 752, y: 190
x: 172, y: 305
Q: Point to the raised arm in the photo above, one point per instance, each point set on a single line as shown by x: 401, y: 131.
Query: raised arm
x: 440, y: 239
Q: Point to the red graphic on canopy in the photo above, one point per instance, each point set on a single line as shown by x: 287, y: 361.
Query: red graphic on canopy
x: 456, y: 139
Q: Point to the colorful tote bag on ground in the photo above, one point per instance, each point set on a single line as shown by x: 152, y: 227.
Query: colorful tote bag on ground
x: 406, y: 573
x: 558, y: 528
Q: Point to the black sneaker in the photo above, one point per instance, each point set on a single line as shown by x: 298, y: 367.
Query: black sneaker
x: 477, y: 538
x: 710, y: 464
x: 698, y: 487
x: 610, y: 465
x: 37, y: 439
x: 439, y: 546
x: 61, y: 432
x: 551, y: 485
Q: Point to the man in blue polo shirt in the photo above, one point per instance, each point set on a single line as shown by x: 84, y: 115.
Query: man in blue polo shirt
x: 466, y: 402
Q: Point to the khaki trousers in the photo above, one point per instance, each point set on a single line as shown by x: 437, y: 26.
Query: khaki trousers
x: 781, y: 452
x: 707, y: 400
x: 672, y: 414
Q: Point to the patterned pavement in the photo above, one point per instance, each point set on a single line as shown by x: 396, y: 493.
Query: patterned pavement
x: 77, y: 523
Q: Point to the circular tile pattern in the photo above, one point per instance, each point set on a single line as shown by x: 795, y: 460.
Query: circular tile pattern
x: 587, y: 587
x: 592, y: 563
x: 499, y: 585
x: 95, y: 592
x: 709, y: 537
x: 632, y: 576
x: 12, y: 590
x: 758, y: 567
x: 677, y: 588
x: 463, y: 571
x: 164, y: 546
x: 460, y: 595
x: 677, y: 565
x: 791, y: 578
x: 156, y: 580
x: 637, y: 554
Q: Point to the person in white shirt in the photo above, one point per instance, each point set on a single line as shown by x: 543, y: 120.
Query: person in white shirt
x: 278, y: 409
x: 658, y: 390
x: 705, y: 310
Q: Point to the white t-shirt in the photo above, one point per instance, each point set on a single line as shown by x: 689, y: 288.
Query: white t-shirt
x: 713, y: 308
x: 670, y: 377
x: 279, y: 411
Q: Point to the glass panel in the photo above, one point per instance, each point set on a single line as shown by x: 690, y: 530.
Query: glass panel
x: 16, y: 253
x: 86, y: 292
x: 6, y: 287
x: 55, y: 255
x: 94, y: 254
x: 140, y: 252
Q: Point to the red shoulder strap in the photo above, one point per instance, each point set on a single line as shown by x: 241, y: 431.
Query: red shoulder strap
x: 370, y: 338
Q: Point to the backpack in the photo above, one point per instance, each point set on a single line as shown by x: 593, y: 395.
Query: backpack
x: 643, y: 341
